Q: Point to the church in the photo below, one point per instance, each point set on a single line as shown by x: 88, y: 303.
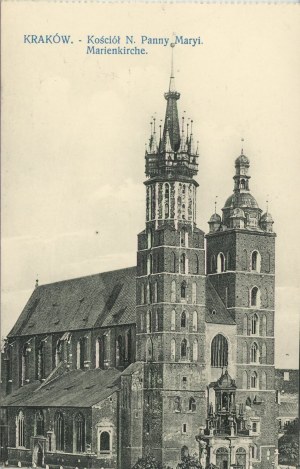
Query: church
x: 173, y: 356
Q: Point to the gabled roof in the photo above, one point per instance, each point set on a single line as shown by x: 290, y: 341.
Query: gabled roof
x: 100, y: 300
x: 216, y: 312
x: 73, y: 389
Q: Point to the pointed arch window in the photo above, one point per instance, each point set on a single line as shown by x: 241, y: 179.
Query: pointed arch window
x: 254, y: 324
x: 173, y: 291
x: 79, y: 433
x: 59, y: 431
x: 195, y: 321
x: 167, y: 199
x: 192, y: 404
x: 40, y: 362
x: 255, y: 297
x: 183, y: 263
x: 219, y: 351
x: 149, y: 349
x: 194, y: 293
x: 25, y: 364
x: 99, y: 353
x: 173, y: 320
x: 20, y: 436
x: 196, y: 265
x: 255, y: 261
x: 173, y: 349
x: 195, y: 350
x: 39, y: 423
x: 81, y: 352
x: 254, y: 380
x: 183, y: 290
x: 173, y: 262
x: 263, y: 384
x: 220, y: 262
x: 183, y: 322
x: 254, y: 353
x: 183, y: 349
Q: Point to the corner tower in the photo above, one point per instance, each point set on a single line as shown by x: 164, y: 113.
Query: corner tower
x: 241, y: 266
x: 171, y: 292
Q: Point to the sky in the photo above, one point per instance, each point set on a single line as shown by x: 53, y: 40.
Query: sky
x: 74, y: 128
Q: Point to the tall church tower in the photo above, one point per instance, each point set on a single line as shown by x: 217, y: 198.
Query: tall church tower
x: 171, y: 292
x: 241, y: 267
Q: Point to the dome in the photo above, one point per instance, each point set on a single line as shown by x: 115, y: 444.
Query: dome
x: 242, y: 160
x: 238, y: 213
x: 243, y: 199
x: 215, y: 218
x: 267, y: 217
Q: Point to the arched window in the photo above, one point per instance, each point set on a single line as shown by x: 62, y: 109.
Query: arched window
x: 243, y: 184
x: 40, y: 362
x: 149, y: 264
x: 263, y: 353
x: 79, y: 433
x: 59, y: 431
x: 99, y: 353
x: 263, y: 325
x: 245, y: 353
x: 245, y: 325
x: 149, y: 349
x: 150, y: 238
x: 142, y: 294
x: 255, y: 261
x: 148, y: 299
x: 254, y: 353
x: 173, y: 349
x: 195, y: 321
x: 155, y: 292
x: 254, y: 381
x: 177, y: 404
x: 149, y: 321
x: 240, y: 457
x: 254, y: 324
x: 39, y: 423
x: 25, y: 364
x: 182, y: 263
x: 81, y: 352
x: 222, y: 458
x: 167, y: 200
x: 255, y: 297
x: 105, y: 341
x: 183, y: 290
x: 245, y: 380
x: 183, y: 349
x: 245, y: 260
x: 192, y: 404
x: 195, y: 350
x: 119, y: 351
x: 173, y: 320
x: 219, y: 351
x: 196, y: 265
x: 173, y: 291
x: 20, y: 436
x: 194, y: 293
x: 105, y: 443
x: 183, y: 319
x: 172, y: 262
x: 220, y: 262
x: 263, y: 384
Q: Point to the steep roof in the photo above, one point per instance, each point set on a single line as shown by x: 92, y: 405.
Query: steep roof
x: 288, y: 409
x: 216, y: 311
x: 73, y: 389
x: 99, y: 300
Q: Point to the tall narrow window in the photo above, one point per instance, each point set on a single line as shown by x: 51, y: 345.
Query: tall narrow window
x: 81, y: 352
x: 149, y: 264
x: 173, y: 349
x: 195, y: 321
x: 255, y: 261
x: 254, y: 325
x: 172, y: 262
x: 183, y: 290
x: 99, y: 353
x: 254, y: 353
x: 150, y: 238
x: 173, y: 291
x: 263, y: 353
x: 254, y: 380
x: 149, y: 349
x: 182, y: 264
x: 268, y: 262
x: 219, y: 351
x: 183, y: 349
x: 173, y: 320
x: 194, y: 293
x: 196, y: 266
x: 167, y: 200
x: 245, y: 325
x: 59, y: 431
x: 142, y: 294
x: 245, y: 353
x: 183, y: 319
x: 263, y: 384
x: 129, y: 347
x: 149, y: 321
x: 245, y: 380
x: 255, y: 297
x: 104, y: 443
x: 192, y: 404
x: 264, y: 325
x: 195, y: 350
x: 155, y: 292
x: 40, y: 363
x: 245, y: 260
x: 25, y: 364
x: 220, y: 262
x: 79, y: 433
x: 39, y: 423
x: 119, y: 351
x: 20, y: 436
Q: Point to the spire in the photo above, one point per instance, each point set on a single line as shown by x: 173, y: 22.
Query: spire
x: 171, y: 118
